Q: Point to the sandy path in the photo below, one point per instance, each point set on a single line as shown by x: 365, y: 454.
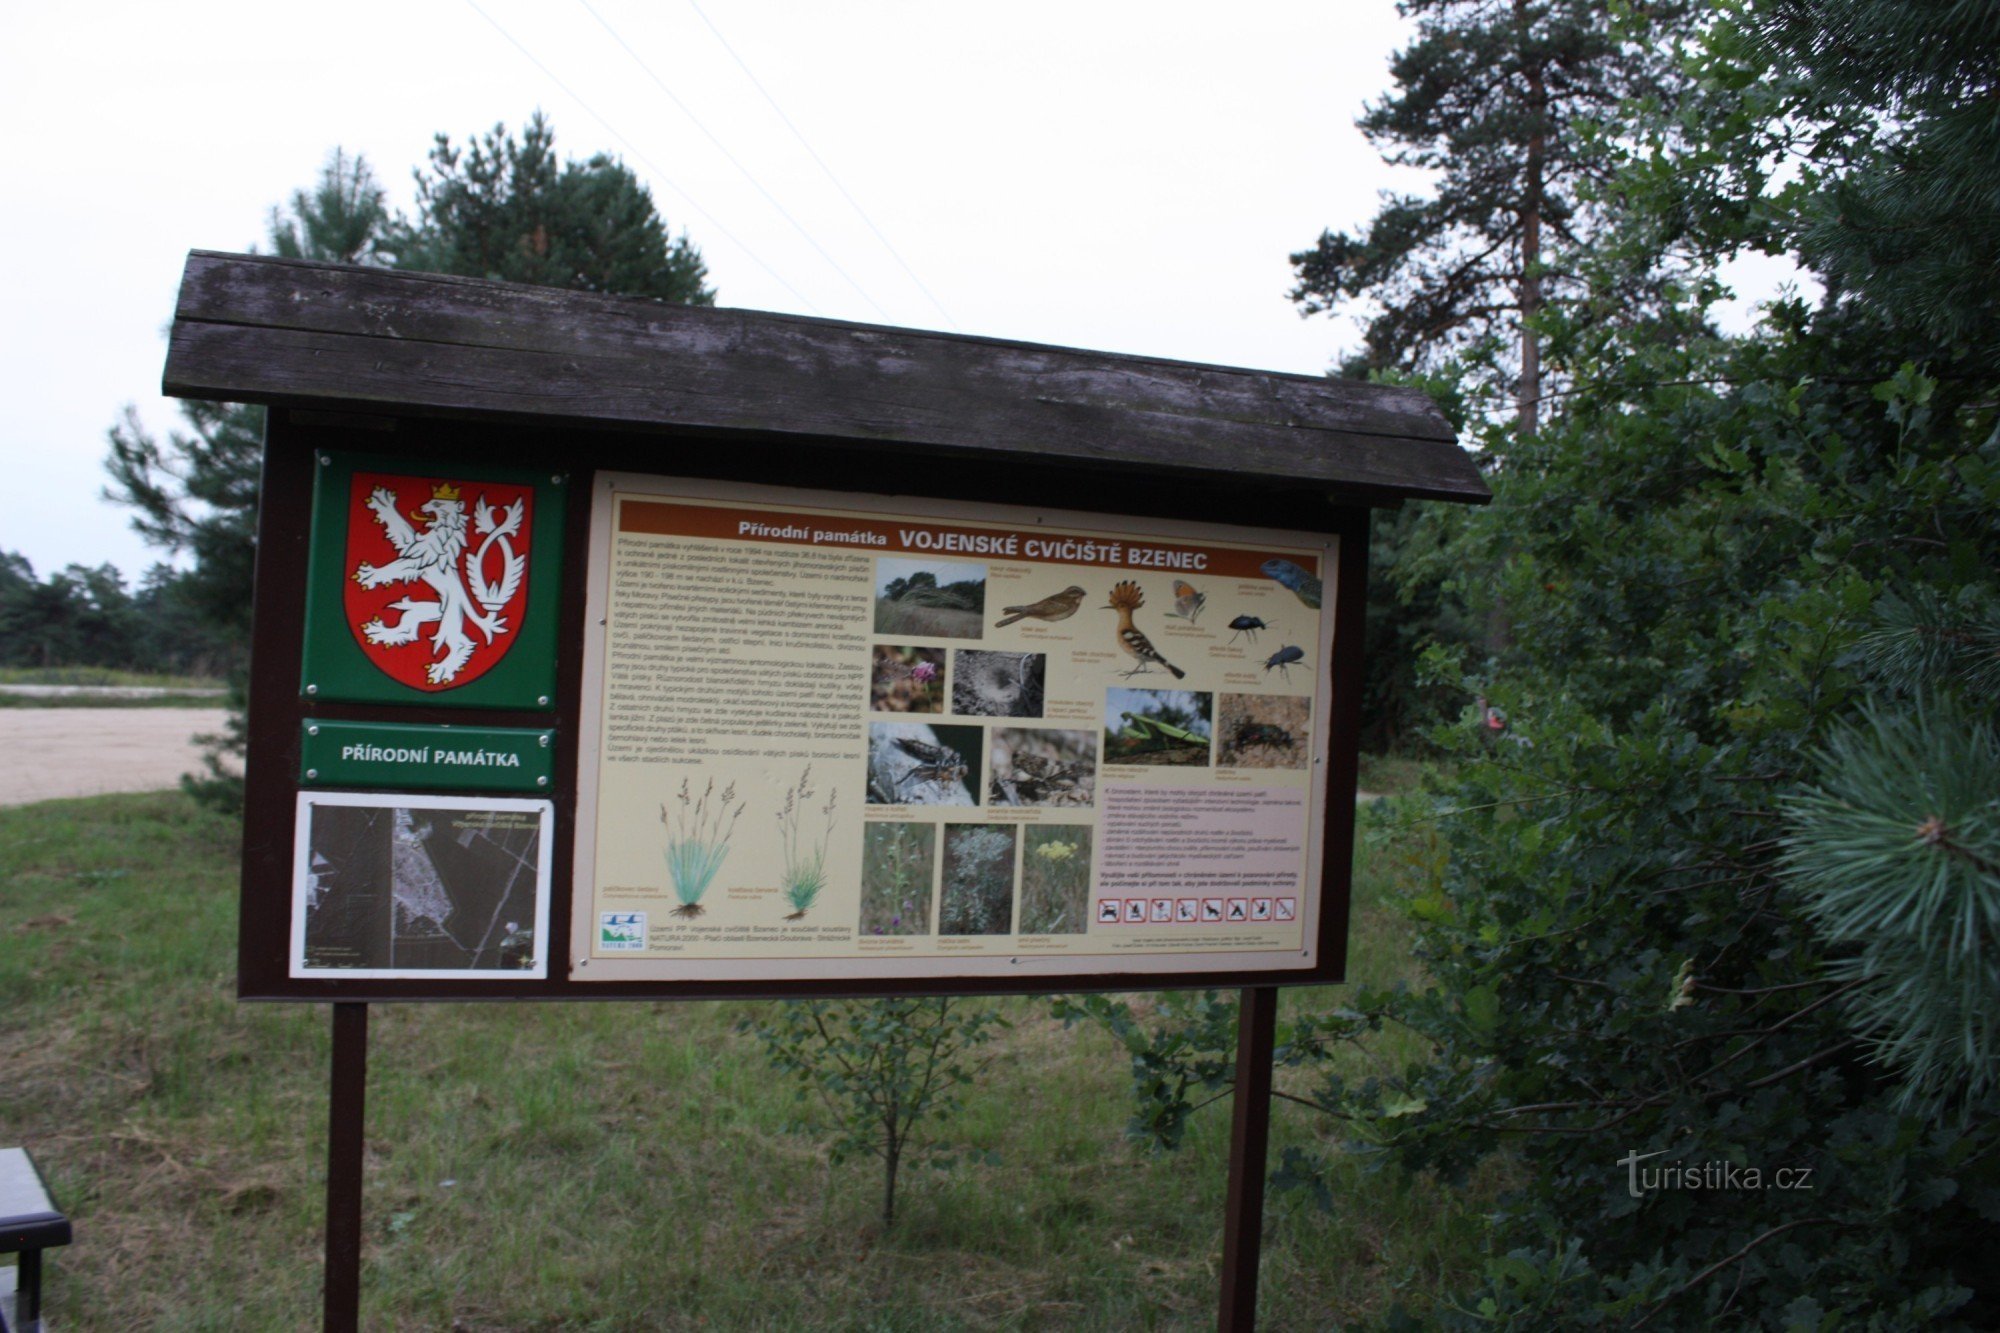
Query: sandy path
x: 52, y: 752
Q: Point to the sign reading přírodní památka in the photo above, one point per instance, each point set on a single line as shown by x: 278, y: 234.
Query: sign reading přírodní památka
x: 435, y: 587
x: 828, y: 739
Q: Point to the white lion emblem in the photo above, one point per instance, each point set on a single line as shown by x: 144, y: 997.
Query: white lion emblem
x: 433, y: 557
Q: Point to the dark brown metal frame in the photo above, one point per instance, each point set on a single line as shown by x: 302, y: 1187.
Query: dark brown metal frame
x: 277, y: 709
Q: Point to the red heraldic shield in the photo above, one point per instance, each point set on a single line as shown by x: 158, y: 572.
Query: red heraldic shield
x: 436, y: 574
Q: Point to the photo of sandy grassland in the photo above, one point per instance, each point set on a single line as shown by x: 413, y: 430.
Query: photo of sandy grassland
x: 978, y: 897
x: 896, y: 864
x: 1169, y: 727
x: 906, y: 679
x: 1042, y: 766
x: 990, y: 684
x: 930, y: 599
x: 1263, y: 731
x: 1055, y: 880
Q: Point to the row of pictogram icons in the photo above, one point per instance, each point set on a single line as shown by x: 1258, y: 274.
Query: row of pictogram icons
x: 1193, y: 911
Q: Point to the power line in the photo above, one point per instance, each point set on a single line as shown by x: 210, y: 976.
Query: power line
x: 634, y: 150
x: 796, y: 134
x: 688, y: 111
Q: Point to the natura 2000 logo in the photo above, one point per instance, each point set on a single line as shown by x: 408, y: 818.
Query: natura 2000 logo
x: 621, y: 930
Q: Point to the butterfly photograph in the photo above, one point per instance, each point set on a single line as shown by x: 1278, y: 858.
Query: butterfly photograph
x: 1187, y: 601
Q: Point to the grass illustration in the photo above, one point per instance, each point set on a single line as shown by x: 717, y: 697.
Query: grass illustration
x: 978, y: 880
x: 896, y: 864
x: 1055, y: 880
x: 697, y: 841
x: 805, y: 864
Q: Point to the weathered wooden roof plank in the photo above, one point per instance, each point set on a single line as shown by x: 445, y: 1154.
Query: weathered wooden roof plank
x: 258, y: 329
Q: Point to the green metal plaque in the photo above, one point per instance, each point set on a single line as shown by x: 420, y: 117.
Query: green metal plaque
x: 397, y: 757
x: 433, y: 584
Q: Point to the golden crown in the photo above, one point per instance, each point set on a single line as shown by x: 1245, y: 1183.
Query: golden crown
x: 444, y: 492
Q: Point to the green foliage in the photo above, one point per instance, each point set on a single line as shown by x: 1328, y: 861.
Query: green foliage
x: 511, y: 209
x: 1897, y: 854
x: 881, y: 1068
x: 1493, y: 100
x: 83, y: 617
x: 195, y: 494
x: 1184, y: 1045
x: 1730, y: 901
x: 1889, y: 106
x: 1406, y: 613
x: 342, y: 220
x: 504, y: 208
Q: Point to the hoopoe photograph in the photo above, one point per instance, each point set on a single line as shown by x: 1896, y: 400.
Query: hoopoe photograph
x: 1127, y: 598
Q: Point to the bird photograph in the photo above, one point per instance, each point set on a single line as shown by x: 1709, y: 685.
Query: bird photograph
x: 1057, y: 606
x: 1125, y: 599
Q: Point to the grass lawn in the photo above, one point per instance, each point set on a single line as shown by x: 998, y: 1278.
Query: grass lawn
x: 596, y: 1166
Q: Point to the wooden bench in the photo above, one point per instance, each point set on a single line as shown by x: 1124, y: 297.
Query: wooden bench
x: 29, y: 1223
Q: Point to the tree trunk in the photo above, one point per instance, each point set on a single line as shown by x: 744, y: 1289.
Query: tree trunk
x: 890, y: 1160
x: 1529, y: 402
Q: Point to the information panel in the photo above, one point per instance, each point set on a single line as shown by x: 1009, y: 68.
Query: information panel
x: 843, y: 736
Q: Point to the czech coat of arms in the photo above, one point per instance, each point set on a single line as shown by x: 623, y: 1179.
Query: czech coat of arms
x: 436, y: 588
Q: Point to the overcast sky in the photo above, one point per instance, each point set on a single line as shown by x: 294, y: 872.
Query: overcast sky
x: 1126, y: 177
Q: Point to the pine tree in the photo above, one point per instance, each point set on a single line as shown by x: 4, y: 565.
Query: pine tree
x: 342, y: 221
x: 509, y: 209
x: 1494, y: 97
x: 502, y: 209
x: 1890, y: 107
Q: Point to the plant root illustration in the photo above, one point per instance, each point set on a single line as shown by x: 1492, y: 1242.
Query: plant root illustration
x: 698, y: 831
